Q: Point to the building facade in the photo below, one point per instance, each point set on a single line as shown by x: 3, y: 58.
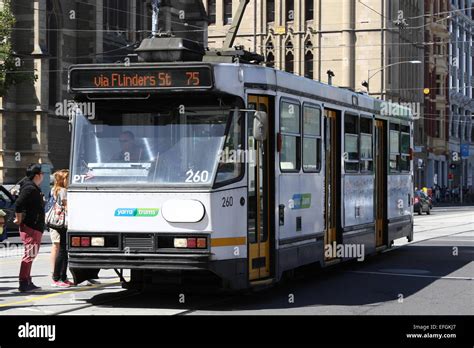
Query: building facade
x: 372, y: 40
x: 436, y: 106
x: 48, y: 37
x: 461, y: 80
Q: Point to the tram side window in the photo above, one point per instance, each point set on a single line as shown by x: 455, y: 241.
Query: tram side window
x: 366, y: 147
x: 311, y: 139
x: 404, y: 148
x: 394, y: 147
x: 290, y: 136
x: 351, y: 143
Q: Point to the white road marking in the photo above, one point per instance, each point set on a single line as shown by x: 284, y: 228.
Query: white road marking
x: 411, y: 275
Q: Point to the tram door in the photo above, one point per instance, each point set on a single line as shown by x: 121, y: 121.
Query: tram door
x: 259, y: 196
x: 331, y: 146
x: 380, y: 181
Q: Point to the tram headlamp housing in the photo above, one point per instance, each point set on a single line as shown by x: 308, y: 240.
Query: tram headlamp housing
x: 85, y: 241
x: 97, y: 241
x: 76, y: 241
x: 180, y: 243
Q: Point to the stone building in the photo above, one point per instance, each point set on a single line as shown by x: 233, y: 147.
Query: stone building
x: 461, y: 81
x: 437, y: 94
x: 48, y: 37
x: 370, y: 40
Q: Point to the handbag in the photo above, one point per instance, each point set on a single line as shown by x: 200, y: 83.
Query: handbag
x: 3, y: 234
x: 56, y: 216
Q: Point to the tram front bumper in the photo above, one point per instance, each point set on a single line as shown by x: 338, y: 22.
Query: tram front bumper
x: 139, y: 261
x: 233, y: 272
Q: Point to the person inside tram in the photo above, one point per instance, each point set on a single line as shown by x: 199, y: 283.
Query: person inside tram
x: 129, y: 150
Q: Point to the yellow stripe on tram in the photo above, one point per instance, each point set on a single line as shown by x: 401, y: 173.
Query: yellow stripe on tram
x: 221, y: 242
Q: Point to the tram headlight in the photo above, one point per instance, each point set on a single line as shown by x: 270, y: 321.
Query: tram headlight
x: 180, y: 243
x: 98, y: 241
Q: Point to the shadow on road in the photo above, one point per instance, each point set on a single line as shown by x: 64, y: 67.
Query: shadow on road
x: 341, y: 285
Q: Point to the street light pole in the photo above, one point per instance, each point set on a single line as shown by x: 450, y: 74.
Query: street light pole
x: 383, y: 68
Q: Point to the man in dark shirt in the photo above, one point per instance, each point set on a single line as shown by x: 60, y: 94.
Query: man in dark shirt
x: 30, y: 217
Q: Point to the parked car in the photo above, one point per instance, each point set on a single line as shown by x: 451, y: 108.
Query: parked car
x: 422, y: 203
x: 7, y: 204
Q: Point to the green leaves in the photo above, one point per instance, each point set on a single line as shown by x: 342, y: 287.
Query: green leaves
x: 10, y: 73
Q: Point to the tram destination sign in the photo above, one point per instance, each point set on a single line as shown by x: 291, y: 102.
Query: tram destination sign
x: 139, y: 78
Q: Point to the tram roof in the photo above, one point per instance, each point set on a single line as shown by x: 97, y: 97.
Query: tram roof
x: 265, y: 78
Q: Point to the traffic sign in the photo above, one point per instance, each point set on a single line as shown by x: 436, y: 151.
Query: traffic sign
x: 465, y: 150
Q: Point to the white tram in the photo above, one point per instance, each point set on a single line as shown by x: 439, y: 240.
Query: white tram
x: 174, y: 177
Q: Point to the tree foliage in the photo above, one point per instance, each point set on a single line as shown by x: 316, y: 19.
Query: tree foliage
x: 10, y: 73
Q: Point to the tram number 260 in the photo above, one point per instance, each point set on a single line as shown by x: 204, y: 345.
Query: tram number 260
x: 227, y: 202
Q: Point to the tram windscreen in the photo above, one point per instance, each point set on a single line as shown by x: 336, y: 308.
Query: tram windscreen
x: 171, y: 148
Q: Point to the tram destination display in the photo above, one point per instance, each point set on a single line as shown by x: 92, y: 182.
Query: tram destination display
x: 140, y: 78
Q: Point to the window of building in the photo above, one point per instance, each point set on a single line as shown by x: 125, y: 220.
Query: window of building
x: 311, y: 139
x: 289, y: 62
x: 290, y: 137
x: 270, y: 10
x: 308, y: 65
x: 290, y: 10
x: 115, y: 15
x: 227, y: 12
x: 270, y: 60
x: 211, y: 11
x: 309, y: 10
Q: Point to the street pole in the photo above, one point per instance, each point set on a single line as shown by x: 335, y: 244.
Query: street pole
x: 156, y: 12
x: 462, y: 173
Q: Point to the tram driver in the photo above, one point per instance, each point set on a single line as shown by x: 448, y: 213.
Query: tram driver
x: 129, y: 150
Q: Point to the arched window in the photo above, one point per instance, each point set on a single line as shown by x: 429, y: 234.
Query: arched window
x: 269, y: 53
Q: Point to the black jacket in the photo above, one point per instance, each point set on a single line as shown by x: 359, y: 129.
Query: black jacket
x: 31, y: 202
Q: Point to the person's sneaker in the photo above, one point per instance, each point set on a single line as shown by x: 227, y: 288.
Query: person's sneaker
x: 60, y: 284
x: 69, y: 283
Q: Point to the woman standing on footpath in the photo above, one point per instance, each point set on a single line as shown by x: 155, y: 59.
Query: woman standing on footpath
x: 59, y: 193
